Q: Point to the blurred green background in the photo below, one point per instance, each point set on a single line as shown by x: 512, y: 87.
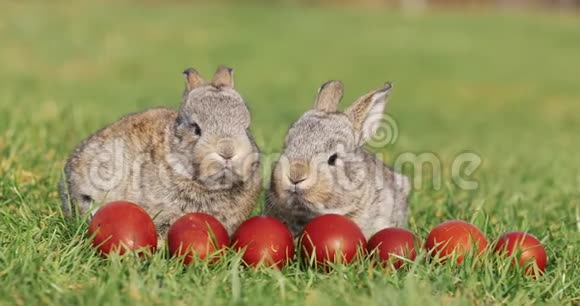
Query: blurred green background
x: 500, y: 79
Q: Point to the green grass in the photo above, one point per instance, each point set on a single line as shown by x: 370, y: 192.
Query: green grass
x: 503, y: 85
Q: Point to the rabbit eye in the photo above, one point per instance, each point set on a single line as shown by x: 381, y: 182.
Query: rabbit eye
x: 332, y: 159
x: 196, y: 128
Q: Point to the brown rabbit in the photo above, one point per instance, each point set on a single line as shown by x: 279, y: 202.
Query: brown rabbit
x: 201, y: 158
x: 325, y: 168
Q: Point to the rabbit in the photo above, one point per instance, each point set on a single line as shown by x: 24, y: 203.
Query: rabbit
x: 324, y: 167
x: 201, y: 158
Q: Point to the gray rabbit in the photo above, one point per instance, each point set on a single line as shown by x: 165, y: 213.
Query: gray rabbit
x: 201, y: 158
x: 324, y: 167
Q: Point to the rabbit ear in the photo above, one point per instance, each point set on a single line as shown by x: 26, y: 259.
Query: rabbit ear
x: 328, y: 97
x: 367, y: 112
x: 192, y: 80
x: 224, y: 77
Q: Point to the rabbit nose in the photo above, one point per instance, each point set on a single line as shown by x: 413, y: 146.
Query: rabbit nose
x: 226, y: 149
x: 298, y: 172
x: 296, y: 181
x: 226, y: 155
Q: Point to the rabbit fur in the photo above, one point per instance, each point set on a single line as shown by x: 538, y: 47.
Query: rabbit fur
x: 201, y: 158
x: 324, y: 167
